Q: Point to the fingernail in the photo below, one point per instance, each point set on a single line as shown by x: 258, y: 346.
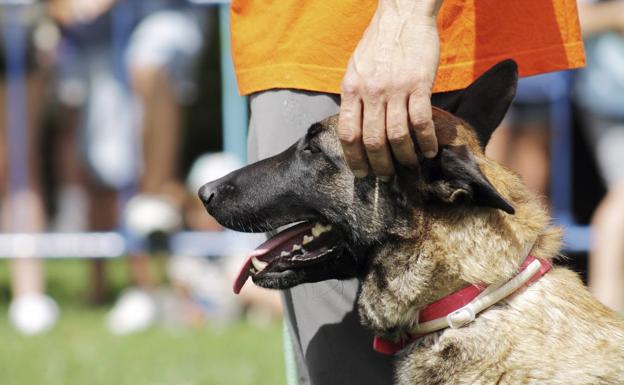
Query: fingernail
x: 385, y: 179
x: 360, y: 173
x: 430, y: 154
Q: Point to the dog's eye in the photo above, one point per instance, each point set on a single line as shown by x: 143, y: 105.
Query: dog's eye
x: 311, y: 149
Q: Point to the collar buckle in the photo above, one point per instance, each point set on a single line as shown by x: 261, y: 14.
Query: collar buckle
x: 461, y: 317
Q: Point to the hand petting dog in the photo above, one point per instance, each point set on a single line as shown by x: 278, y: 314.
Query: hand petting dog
x: 387, y: 89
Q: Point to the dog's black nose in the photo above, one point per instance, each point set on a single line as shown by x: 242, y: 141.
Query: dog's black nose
x: 207, y: 193
x: 214, y: 191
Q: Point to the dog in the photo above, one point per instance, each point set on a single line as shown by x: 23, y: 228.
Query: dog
x: 454, y: 255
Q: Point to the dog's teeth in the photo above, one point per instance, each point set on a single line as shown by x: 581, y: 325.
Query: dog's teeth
x: 296, y: 247
x: 258, y: 264
x: 307, y: 239
x: 284, y: 254
x: 319, y: 229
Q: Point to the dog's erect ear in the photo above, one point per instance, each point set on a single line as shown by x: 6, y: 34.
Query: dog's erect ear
x: 455, y: 176
x: 485, y: 102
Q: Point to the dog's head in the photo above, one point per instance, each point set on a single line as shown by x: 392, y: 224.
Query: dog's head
x: 342, y: 220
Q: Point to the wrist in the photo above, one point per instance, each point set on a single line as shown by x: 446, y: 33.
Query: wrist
x: 419, y: 9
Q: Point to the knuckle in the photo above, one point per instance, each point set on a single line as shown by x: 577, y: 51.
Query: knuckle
x: 420, y: 95
x: 348, y: 136
x: 348, y: 113
x: 398, y: 137
x: 421, y: 123
x: 349, y: 87
x: 374, y: 89
x: 374, y: 144
x: 418, y: 80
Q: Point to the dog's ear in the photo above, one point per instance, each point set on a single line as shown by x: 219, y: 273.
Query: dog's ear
x: 485, y: 102
x: 454, y: 176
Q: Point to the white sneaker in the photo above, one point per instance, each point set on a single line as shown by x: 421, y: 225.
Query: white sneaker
x: 135, y: 311
x: 33, y: 313
x: 147, y: 214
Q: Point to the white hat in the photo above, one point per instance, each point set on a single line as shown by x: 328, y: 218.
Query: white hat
x: 209, y: 167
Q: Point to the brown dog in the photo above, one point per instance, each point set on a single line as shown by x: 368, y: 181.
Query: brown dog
x: 454, y: 256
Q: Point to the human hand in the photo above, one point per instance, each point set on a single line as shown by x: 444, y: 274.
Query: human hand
x: 386, y: 90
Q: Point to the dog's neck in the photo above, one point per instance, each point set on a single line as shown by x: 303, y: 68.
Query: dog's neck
x: 450, y: 250
x: 463, y: 306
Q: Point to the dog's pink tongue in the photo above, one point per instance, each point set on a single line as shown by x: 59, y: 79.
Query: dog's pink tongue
x: 276, y: 243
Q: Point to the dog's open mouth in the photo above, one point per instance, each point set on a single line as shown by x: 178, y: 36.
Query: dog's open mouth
x: 288, y: 253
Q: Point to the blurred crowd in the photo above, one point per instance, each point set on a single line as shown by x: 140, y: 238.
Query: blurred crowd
x: 118, y: 75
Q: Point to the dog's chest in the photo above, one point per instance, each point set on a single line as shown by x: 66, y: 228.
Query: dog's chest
x: 436, y: 361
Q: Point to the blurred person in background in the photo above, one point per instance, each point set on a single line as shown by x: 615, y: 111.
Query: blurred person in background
x: 31, y: 311
x: 522, y: 141
x: 121, y: 117
x: 599, y: 90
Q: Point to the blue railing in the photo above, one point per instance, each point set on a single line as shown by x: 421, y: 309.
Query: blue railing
x: 576, y: 237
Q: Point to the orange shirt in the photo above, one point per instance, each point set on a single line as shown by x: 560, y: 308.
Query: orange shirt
x: 306, y: 44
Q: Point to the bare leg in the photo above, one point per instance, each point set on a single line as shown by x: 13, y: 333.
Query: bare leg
x: 96, y: 215
x: 530, y: 159
x: 161, y: 138
x: 606, y: 262
x: 161, y: 130
x: 72, y: 199
x: 27, y: 273
x: 70, y: 171
x: 102, y: 217
x: 161, y: 124
x: 526, y: 153
x: 500, y: 144
x: 31, y: 311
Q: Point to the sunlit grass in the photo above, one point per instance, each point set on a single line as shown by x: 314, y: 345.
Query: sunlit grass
x: 80, y: 351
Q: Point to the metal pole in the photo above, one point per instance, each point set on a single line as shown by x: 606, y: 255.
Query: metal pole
x: 234, y: 106
x: 561, y: 160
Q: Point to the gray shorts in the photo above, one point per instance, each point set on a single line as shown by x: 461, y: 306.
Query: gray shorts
x: 606, y: 137
x: 330, y: 345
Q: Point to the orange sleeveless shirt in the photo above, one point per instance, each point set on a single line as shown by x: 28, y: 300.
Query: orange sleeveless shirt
x: 306, y: 44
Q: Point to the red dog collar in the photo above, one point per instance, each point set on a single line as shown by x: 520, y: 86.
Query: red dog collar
x: 453, y: 303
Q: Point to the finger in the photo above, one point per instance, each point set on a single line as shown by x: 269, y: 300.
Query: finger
x: 375, y: 140
x: 350, y: 134
x: 397, y: 131
x: 420, y: 117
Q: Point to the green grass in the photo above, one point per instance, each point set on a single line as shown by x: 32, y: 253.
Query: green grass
x: 80, y: 351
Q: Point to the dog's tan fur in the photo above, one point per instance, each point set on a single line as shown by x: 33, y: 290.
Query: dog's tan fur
x: 552, y: 332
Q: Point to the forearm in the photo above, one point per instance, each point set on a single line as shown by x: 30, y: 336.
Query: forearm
x: 601, y: 17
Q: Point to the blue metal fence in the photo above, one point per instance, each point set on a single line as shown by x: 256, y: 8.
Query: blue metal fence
x: 576, y: 237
